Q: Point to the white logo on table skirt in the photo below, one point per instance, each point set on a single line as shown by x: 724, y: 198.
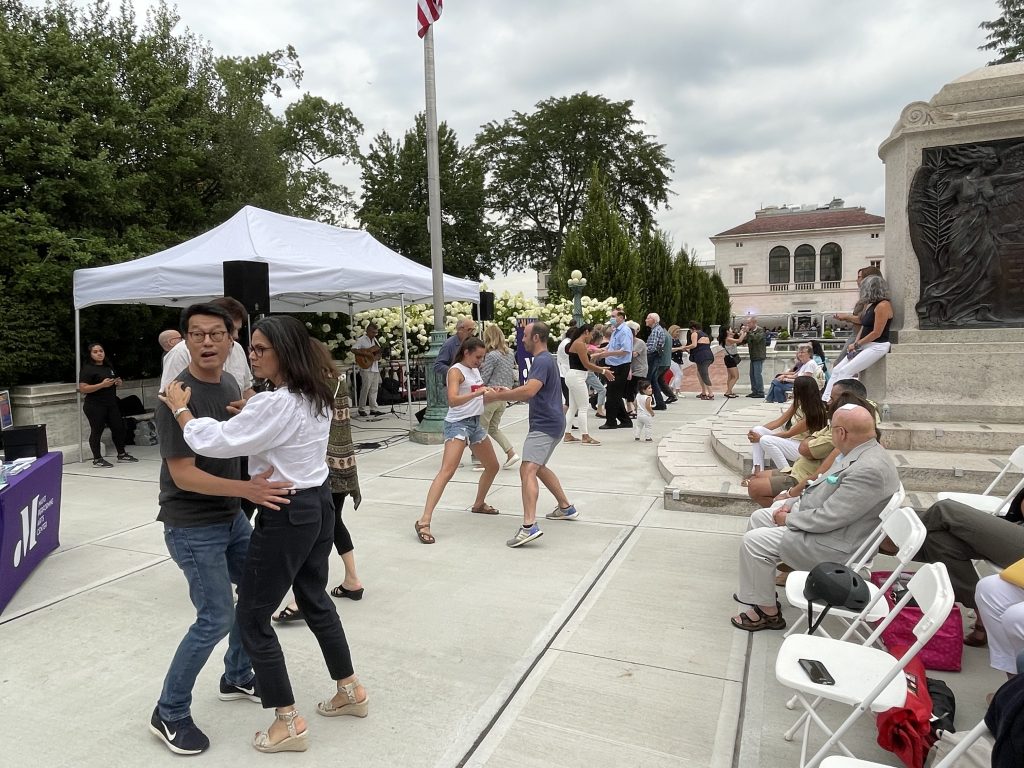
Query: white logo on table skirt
x: 33, y: 523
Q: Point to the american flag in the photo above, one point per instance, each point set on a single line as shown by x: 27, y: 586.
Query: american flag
x: 427, y: 12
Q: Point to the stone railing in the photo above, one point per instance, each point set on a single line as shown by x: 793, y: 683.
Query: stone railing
x: 56, y: 406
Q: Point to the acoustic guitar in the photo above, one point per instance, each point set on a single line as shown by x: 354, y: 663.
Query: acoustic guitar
x: 366, y: 357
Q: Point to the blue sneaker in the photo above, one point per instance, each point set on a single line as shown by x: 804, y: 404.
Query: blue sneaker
x: 182, y: 737
x: 569, y: 513
x: 229, y: 692
x: 523, y: 535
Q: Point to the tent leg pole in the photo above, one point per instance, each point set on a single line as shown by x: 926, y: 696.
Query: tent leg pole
x: 408, y: 368
x: 78, y: 392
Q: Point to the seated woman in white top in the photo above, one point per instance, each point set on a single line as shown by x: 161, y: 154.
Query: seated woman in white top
x: 466, y: 392
x: 285, y: 430
x: 806, y: 414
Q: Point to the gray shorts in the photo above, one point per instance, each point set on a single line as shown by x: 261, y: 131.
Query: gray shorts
x: 539, y: 446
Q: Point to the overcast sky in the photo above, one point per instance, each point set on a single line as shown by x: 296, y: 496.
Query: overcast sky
x: 757, y: 103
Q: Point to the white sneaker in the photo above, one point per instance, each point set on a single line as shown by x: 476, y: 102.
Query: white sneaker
x: 511, y: 461
x: 524, y: 536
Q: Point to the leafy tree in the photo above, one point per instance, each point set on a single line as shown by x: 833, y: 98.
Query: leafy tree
x: 117, y: 141
x: 395, y: 206
x: 539, y: 164
x: 1006, y: 34
x: 601, y: 247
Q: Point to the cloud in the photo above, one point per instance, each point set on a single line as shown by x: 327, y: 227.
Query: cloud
x: 756, y: 103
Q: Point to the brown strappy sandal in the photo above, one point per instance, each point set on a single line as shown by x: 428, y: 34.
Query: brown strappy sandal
x: 423, y: 533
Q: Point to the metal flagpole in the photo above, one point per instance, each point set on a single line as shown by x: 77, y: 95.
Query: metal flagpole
x: 78, y: 392
x: 408, y: 368
x: 430, y: 430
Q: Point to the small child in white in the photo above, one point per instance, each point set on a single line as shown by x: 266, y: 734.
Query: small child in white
x: 644, y: 412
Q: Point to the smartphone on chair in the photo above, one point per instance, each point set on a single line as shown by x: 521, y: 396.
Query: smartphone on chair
x: 817, y: 672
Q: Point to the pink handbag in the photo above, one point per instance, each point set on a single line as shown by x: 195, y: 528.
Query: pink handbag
x: 944, y: 652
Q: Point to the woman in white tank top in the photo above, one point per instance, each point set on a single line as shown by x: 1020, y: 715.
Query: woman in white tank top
x: 466, y: 392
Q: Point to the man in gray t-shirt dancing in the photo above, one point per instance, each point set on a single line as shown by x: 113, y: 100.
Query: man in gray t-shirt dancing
x: 547, y: 424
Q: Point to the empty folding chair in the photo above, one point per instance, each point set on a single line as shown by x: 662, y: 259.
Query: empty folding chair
x: 863, y: 677
x: 907, y: 532
x: 947, y: 762
x: 985, y: 502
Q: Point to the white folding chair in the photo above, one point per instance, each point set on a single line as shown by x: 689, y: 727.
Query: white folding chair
x: 907, y: 532
x: 866, y: 678
x: 985, y: 502
x: 947, y: 762
x: 859, y: 561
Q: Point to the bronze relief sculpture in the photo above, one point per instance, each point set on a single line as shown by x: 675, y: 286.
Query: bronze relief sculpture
x: 966, y: 211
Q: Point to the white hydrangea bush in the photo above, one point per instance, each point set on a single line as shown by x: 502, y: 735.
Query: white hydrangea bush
x: 330, y: 327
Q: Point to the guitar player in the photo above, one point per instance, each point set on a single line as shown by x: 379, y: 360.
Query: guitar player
x: 367, y: 352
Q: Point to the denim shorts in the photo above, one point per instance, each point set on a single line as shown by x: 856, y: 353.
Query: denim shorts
x: 467, y: 429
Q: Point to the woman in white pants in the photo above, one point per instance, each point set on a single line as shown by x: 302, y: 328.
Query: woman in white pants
x: 873, y: 342
x: 1001, y: 606
x: 576, y: 381
x: 806, y: 413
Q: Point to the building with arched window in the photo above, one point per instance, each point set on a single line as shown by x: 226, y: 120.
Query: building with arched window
x: 799, y: 259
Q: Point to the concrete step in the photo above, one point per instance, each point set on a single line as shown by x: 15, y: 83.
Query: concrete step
x: 929, y: 471
x: 1000, y: 439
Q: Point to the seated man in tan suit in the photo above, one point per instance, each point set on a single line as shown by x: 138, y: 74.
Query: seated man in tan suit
x: 835, y: 515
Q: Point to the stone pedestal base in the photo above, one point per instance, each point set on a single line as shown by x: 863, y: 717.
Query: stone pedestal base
x: 952, y: 375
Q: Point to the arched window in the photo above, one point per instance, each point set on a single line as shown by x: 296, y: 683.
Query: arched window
x: 778, y: 265
x: 803, y: 264
x: 831, y: 262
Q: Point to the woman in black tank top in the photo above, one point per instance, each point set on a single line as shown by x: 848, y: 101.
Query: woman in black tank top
x: 872, y: 343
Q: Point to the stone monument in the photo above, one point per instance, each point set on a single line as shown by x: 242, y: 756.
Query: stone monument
x: 954, y: 231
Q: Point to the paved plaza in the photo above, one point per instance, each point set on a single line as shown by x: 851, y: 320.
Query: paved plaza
x: 604, y: 643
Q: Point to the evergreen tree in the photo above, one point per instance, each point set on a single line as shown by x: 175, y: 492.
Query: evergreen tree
x: 601, y: 248
x: 660, y: 294
x: 722, y: 314
x: 1006, y: 34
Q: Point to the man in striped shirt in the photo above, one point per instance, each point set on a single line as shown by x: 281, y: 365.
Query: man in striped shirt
x: 656, y: 341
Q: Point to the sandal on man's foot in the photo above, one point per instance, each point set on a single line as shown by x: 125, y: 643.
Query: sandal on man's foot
x: 289, y: 614
x: 483, y: 509
x: 763, y: 621
x: 423, y: 533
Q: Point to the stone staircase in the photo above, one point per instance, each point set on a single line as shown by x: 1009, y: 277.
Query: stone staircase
x: 704, y: 463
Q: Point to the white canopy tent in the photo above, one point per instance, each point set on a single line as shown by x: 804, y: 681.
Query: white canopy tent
x: 313, y: 267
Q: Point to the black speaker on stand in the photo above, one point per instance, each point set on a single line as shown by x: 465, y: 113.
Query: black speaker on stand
x: 249, y: 283
x: 484, y: 310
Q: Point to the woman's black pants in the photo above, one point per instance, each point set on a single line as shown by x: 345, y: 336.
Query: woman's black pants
x: 101, y: 416
x: 289, y: 549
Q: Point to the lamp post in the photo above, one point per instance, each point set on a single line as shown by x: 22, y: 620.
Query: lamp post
x: 577, y: 282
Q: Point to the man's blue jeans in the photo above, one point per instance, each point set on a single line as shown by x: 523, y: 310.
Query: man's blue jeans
x: 756, y: 382
x: 778, y: 390
x: 211, y: 557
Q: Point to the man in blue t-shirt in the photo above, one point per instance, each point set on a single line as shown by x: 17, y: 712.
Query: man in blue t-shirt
x: 547, y: 425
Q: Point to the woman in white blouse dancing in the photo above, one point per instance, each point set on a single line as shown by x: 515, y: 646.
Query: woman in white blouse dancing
x: 285, y: 430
